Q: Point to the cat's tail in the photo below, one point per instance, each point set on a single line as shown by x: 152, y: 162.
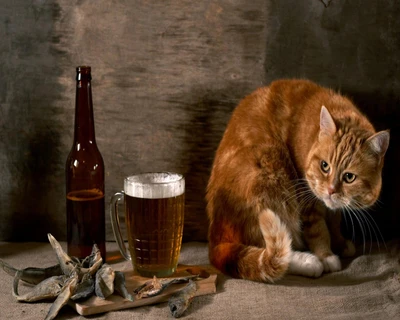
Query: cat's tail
x: 269, y: 263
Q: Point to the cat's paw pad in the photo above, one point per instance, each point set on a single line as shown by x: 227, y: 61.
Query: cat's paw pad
x: 305, y: 264
x: 331, y: 263
x: 349, y: 249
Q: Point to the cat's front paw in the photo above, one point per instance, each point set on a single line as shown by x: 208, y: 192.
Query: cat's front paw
x: 305, y: 264
x: 331, y: 263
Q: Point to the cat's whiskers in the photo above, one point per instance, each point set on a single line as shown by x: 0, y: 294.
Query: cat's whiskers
x: 297, y: 194
x: 368, y: 224
x: 306, y: 198
x: 360, y: 221
x: 344, y: 215
x: 346, y: 211
x: 368, y: 217
x: 378, y: 204
x: 293, y: 190
x: 366, y: 221
x: 306, y: 195
x: 301, y: 193
x: 298, y: 185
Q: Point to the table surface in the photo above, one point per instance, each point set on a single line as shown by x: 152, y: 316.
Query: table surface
x: 368, y: 287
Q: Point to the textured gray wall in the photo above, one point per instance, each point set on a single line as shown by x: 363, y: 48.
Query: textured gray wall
x: 166, y: 76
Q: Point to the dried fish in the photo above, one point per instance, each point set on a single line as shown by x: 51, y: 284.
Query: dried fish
x: 32, y: 275
x: 93, y: 269
x: 93, y: 258
x: 156, y: 286
x: 180, y: 301
x: 149, y: 289
x: 76, y: 261
x: 104, y: 285
x: 72, y: 278
x: 120, y: 286
x: 47, y: 289
x: 63, y: 296
x: 68, y: 265
x: 84, y: 288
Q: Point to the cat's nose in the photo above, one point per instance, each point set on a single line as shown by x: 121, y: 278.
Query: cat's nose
x: 331, y: 190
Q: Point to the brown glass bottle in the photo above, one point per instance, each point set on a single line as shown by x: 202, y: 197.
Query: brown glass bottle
x: 85, y: 177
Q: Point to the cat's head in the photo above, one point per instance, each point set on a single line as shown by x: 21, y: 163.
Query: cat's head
x: 344, y: 166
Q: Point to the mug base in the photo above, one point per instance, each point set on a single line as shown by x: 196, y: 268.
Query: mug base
x: 158, y: 273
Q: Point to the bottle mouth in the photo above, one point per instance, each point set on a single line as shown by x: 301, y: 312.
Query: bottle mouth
x: 83, y: 71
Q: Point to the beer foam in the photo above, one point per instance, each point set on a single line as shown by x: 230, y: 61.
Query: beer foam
x: 155, y: 185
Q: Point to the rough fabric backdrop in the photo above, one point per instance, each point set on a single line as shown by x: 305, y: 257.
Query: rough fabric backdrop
x: 166, y: 76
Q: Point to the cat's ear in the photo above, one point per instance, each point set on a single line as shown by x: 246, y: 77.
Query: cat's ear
x: 327, y: 126
x: 379, y: 142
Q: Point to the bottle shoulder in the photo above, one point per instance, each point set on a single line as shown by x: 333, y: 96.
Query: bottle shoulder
x: 86, y: 149
x: 83, y: 156
x: 82, y: 174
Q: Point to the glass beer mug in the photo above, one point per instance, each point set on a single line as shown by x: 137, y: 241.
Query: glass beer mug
x: 154, y: 216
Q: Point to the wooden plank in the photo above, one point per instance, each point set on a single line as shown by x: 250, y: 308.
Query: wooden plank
x: 95, y: 305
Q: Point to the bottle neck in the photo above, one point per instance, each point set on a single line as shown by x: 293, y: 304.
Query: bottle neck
x: 84, y: 120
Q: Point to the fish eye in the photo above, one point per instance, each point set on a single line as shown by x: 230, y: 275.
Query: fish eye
x: 349, y: 177
x: 325, y: 166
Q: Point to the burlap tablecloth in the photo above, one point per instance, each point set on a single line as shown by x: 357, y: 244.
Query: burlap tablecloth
x: 367, y: 288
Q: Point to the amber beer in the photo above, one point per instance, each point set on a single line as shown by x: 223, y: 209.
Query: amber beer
x: 83, y: 209
x: 154, y: 232
x: 154, y: 216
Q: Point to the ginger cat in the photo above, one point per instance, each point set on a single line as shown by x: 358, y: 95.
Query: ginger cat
x: 292, y: 156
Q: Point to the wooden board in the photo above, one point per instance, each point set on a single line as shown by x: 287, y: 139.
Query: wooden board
x: 94, y: 305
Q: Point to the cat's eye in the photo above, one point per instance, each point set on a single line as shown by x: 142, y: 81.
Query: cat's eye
x: 325, y: 166
x: 349, y: 177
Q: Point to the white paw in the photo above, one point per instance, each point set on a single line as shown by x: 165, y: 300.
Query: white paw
x: 331, y: 264
x: 349, y: 250
x: 305, y: 264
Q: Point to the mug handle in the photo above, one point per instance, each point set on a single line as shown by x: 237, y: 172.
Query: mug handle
x: 115, y: 224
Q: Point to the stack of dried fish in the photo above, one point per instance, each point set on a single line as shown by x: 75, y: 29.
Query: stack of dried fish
x: 75, y: 279
x: 71, y: 278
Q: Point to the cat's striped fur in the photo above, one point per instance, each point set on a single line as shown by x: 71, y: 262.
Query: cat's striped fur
x: 283, y: 166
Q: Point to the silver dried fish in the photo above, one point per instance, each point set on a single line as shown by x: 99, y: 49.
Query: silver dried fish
x: 149, y: 289
x: 85, y: 288
x: 47, y: 289
x: 94, y: 268
x: 63, y: 297
x: 156, y: 286
x: 120, y: 286
x: 93, y: 258
x: 68, y: 265
x: 32, y: 275
x: 180, y: 301
x: 104, y: 285
x: 72, y: 278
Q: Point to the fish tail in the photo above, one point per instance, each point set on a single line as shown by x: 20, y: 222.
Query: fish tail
x: 15, y: 284
x: 8, y: 268
x: 268, y: 263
